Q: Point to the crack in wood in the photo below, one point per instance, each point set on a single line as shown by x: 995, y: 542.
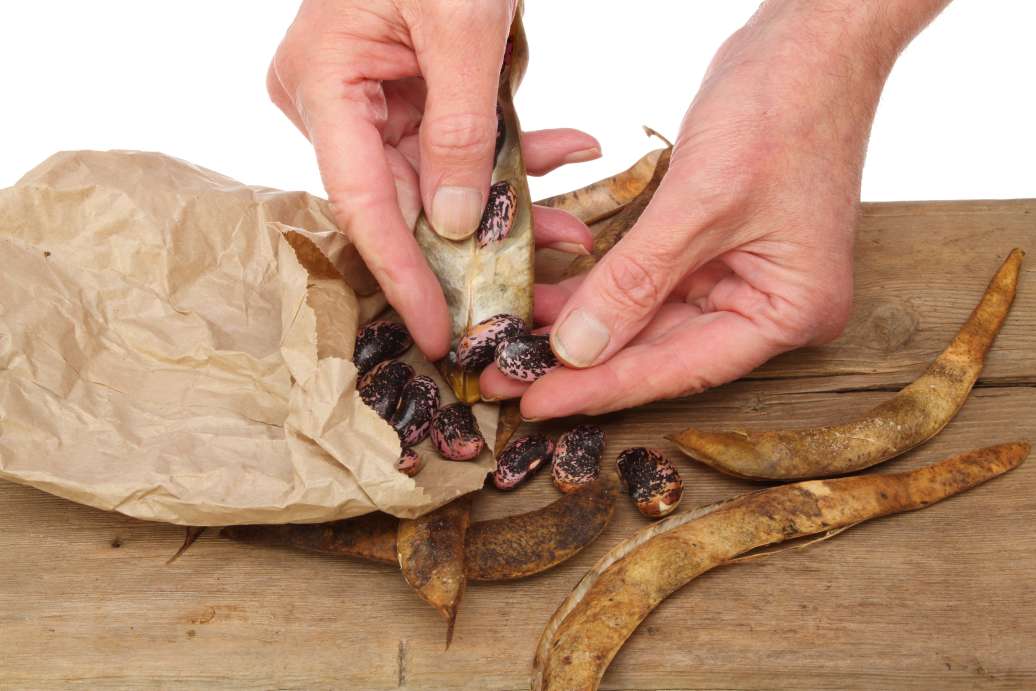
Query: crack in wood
x: 401, y: 661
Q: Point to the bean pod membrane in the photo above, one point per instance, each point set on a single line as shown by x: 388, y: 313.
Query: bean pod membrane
x: 651, y: 480
x: 455, y: 433
x: 418, y: 403
x: 379, y: 341
x: 382, y: 386
x: 526, y: 358
x: 577, y: 458
x: 522, y: 457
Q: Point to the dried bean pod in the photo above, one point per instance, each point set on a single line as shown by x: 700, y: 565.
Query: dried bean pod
x: 521, y: 458
x: 651, y: 480
x: 478, y: 347
x: 498, y: 216
x: 379, y: 341
x: 455, y: 433
x: 409, y: 463
x: 526, y: 357
x: 381, y: 387
x: 418, y: 404
x: 577, y: 458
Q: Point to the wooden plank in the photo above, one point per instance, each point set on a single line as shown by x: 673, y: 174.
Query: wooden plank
x: 939, y: 598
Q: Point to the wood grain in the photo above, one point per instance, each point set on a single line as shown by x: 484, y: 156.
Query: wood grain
x: 942, y: 598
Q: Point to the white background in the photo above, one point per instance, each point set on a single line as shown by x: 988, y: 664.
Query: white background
x: 957, y: 118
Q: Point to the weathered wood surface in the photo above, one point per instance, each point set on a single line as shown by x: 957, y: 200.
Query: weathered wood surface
x: 942, y: 598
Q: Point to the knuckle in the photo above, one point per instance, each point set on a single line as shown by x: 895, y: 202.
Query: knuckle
x: 631, y: 284
x: 459, y: 136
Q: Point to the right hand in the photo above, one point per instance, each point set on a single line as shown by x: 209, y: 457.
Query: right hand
x: 398, y: 99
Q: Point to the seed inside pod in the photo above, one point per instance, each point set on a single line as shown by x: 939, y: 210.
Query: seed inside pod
x: 651, y: 480
x: 577, y: 458
x: 521, y: 458
x: 382, y: 386
x: 418, y: 403
x: 379, y: 341
x: 478, y: 347
x: 409, y: 463
x: 526, y: 358
x: 498, y: 216
x: 455, y: 433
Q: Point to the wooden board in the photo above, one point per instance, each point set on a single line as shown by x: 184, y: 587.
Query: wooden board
x: 942, y: 598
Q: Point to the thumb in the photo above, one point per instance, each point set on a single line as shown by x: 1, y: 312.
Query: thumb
x: 459, y: 49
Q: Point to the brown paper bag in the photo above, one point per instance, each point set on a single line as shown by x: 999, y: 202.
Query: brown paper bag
x: 174, y: 345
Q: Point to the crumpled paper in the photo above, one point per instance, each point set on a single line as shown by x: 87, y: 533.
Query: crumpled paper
x: 175, y: 346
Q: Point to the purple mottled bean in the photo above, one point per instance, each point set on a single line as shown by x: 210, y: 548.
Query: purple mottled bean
x: 382, y: 386
x: 577, y: 458
x: 522, y: 457
x: 418, y: 404
x: 379, y: 341
x: 478, y: 346
x: 409, y: 463
x: 498, y: 216
x: 455, y: 433
x: 526, y: 358
x: 651, y: 480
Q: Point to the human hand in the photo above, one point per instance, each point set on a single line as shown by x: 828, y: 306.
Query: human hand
x: 398, y: 99
x: 746, y: 248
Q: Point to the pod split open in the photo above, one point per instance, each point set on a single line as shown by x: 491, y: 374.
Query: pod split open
x: 621, y: 590
x: 911, y: 417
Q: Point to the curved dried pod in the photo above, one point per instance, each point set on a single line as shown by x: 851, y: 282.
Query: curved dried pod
x: 911, y: 417
x: 616, y: 227
x: 490, y: 272
x: 605, y: 198
x: 430, y: 550
x: 502, y: 549
x: 619, y: 592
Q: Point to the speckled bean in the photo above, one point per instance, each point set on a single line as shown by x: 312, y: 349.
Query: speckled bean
x: 409, y: 463
x: 526, y: 358
x: 418, y: 404
x: 379, y: 341
x: 577, y: 458
x: 651, y: 480
x: 478, y: 347
x: 498, y: 216
x: 455, y: 433
x: 522, y: 457
x: 381, y: 387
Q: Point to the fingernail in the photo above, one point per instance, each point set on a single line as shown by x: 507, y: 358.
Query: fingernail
x: 584, y: 155
x: 456, y: 211
x: 531, y: 419
x: 569, y: 248
x: 580, y: 339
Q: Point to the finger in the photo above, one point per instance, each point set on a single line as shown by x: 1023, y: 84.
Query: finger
x: 548, y: 301
x: 363, y: 192
x: 560, y: 230
x: 710, y: 350
x: 460, y: 48
x: 545, y: 150
x: 497, y: 386
x: 279, y: 95
x: 698, y: 284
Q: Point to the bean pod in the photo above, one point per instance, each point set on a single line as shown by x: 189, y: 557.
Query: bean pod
x: 455, y: 433
x: 478, y: 346
x: 522, y: 457
x: 382, y: 386
x: 379, y: 341
x: 498, y: 216
x: 651, y: 480
x: 577, y: 458
x: 409, y: 463
x: 526, y: 358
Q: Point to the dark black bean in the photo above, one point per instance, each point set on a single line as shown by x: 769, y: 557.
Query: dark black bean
x: 499, y: 213
x: 651, y: 480
x: 379, y: 341
x: 521, y: 458
x: 409, y: 463
x: 526, y: 358
x: 478, y: 347
x: 455, y: 433
x: 577, y: 458
x: 418, y: 404
x: 381, y: 387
